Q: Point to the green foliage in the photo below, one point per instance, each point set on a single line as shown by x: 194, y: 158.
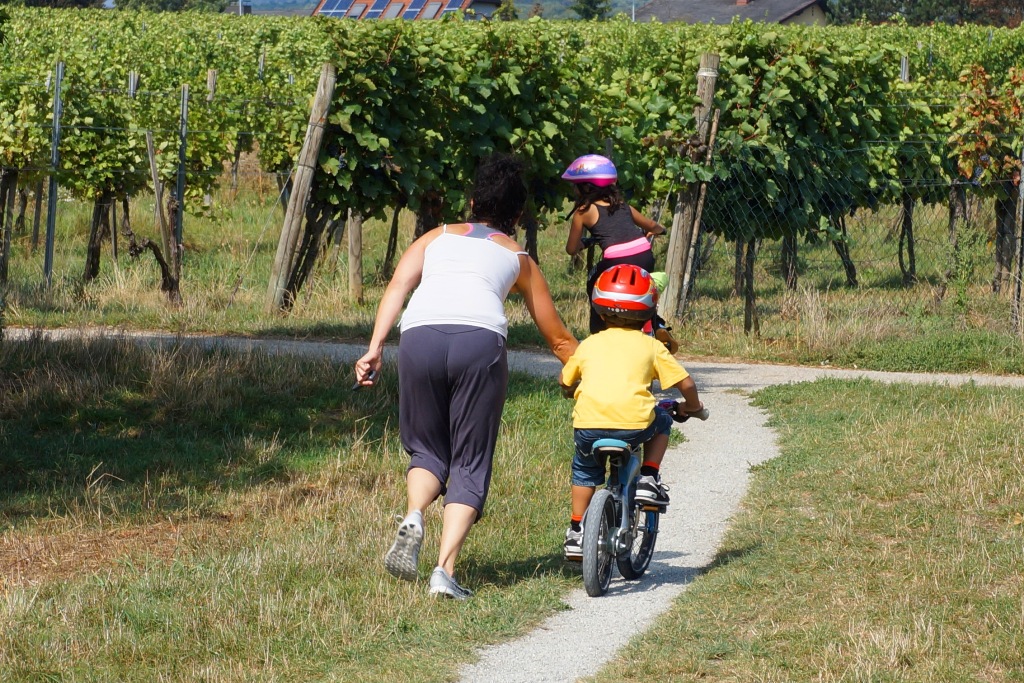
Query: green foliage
x: 63, y: 4
x: 173, y: 5
x: 986, y: 139
x: 916, y: 13
x: 416, y: 104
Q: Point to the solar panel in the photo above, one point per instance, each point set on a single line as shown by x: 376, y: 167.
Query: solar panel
x: 452, y: 6
x: 376, y: 9
x: 413, y: 9
x: 335, y: 8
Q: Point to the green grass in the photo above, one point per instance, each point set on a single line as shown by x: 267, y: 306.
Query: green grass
x: 885, y: 544
x: 878, y: 325
x: 191, y: 515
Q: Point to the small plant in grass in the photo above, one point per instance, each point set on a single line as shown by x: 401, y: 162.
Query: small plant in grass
x: 964, y: 257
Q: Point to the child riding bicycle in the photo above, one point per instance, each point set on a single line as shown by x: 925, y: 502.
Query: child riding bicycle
x: 623, y: 233
x: 610, y: 376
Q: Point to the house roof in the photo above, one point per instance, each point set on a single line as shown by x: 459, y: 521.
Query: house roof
x: 723, y: 11
x: 404, y: 9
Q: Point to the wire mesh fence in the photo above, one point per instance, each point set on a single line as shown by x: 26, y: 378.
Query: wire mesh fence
x: 960, y: 249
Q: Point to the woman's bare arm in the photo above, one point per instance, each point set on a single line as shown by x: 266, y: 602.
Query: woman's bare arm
x: 537, y: 296
x: 407, y: 276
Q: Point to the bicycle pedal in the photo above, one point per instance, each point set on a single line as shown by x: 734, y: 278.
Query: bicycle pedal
x: 654, y: 508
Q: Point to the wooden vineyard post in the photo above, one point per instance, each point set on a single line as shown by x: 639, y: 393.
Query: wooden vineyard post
x: 688, y: 197
x: 305, y: 169
x: 166, y: 236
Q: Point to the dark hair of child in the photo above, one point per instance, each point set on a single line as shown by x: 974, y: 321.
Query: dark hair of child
x: 588, y: 193
x: 617, y: 321
x: 499, y: 193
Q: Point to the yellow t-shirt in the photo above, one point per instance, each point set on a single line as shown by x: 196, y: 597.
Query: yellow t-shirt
x: 615, y: 368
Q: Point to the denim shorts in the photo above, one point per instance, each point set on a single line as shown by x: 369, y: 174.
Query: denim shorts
x: 589, y: 469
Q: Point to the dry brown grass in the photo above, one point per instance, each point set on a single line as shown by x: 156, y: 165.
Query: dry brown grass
x: 58, y: 550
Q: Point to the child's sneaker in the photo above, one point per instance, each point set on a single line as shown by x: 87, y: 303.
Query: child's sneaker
x: 663, y: 335
x: 403, y: 557
x: 573, y: 546
x: 444, y: 584
x: 650, y: 490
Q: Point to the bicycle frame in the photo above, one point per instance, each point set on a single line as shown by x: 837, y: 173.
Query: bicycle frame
x: 624, y: 466
x: 618, y: 530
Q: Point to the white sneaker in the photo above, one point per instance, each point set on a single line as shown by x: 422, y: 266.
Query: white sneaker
x: 403, y: 558
x: 443, y: 584
x: 572, y: 549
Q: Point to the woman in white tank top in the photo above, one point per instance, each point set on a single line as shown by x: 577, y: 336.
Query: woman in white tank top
x: 459, y: 276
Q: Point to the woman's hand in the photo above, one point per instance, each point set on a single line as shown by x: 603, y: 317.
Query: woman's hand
x: 368, y: 369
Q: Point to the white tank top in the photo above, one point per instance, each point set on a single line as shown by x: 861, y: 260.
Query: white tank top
x: 465, y: 281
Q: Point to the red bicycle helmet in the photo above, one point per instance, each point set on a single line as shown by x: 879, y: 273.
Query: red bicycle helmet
x: 627, y: 292
x: 592, y: 168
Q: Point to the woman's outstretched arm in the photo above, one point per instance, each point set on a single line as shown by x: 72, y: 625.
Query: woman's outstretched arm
x: 537, y: 296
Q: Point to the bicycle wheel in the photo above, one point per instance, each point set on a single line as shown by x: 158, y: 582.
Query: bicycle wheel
x: 597, y: 543
x: 633, y: 564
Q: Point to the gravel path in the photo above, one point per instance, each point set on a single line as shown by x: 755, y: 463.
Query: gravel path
x: 708, y: 476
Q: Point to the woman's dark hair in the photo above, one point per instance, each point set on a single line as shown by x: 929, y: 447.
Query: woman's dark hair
x: 499, y: 193
x: 588, y: 193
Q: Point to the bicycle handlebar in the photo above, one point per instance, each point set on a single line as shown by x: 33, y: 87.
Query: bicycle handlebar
x: 675, y: 409
x: 701, y: 414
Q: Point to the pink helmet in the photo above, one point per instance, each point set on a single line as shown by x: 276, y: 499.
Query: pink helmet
x: 591, y: 168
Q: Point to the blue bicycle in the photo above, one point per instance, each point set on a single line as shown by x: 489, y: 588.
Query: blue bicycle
x: 617, y: 529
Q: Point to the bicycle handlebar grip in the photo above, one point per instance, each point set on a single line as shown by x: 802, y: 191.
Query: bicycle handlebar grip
x: 701, y: 414
x: 675, y: 409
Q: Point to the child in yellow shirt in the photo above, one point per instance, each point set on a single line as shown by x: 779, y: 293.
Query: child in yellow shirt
x: 610, y: 375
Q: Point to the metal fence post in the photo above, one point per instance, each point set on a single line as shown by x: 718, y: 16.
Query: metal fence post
x: 179, y: 192
x: 51, y: 203
x: 1018, y: 285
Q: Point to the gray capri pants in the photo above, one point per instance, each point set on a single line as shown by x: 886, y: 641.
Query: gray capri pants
x: 452, y: 380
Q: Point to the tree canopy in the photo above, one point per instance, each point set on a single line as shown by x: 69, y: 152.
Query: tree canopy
x: 591, y: 9
x: 173, y: 5
x: 63, y: 4
x: 919, y: 12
